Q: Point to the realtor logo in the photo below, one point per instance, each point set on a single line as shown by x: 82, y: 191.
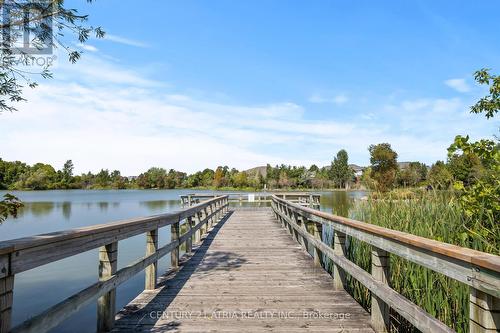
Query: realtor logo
x: 26, y: 27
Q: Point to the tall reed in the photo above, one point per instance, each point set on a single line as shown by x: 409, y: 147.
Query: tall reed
x: 432, y: 215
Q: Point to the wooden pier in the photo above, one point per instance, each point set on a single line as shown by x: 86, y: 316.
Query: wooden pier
x: 249, y: 270
x: 247, y: 276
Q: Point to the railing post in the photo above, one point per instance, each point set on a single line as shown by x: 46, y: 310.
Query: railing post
x: 199, y: 232
x: 282, y: 219
x: 289, y: 215
x: 303, y: 225
x: 211, y: 219
x: 174, y: 255
x: 380, y: 318
x: 6, y: 294
x: 484, y: 312
x: 296, y: 235
x: 151, y: 270
x: 318, y: 234
x: 106, y: 304
x: 340, y: 250
x: 205, y: 217
x: 217, y: 209
x: 189, y: 240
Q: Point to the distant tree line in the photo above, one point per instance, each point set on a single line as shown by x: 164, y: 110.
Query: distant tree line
x: 383, y: 174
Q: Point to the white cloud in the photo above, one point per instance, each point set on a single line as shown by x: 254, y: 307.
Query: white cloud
x: 125, y: 41
x: 101, y: 114
x: 320, y: 99
x: 87, y: 47
x: 459, y: 85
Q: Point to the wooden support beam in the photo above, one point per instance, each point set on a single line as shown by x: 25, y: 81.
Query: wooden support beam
x: 175, y: 233
x: 380, y: 319
x: 189, y: 241
x: 106, y: 304
x: 199, y: 232
x: 151, y: 270
x: 303, y: 225
x: 317, y: 232
x: 6, y: 297
x: 295, y: 233
x: 484, y: 312
x: 339, y: 278
x: 205, y: 214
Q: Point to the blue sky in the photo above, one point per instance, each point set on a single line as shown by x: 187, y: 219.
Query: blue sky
x: 194, y: 84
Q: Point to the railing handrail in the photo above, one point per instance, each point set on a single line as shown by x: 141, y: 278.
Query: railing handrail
x: 478, y: 258
x: 22, y: 243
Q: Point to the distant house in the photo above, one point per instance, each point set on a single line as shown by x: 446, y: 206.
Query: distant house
x: 131, y: 178
x: 358, y: 170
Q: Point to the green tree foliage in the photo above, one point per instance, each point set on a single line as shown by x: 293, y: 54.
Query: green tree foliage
x: 412, y: 175
x: 340, y: 171
x: 153, y: 178
x: 490, y: 104
x: 439, y: 176
x: 9, y: 206
x: 219, y: 177
x: 475, y: 167
x: 480, y: 198
x: 384, y: 166
x: 465, y: 167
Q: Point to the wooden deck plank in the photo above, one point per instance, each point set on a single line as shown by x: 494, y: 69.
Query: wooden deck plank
x: 249, y: 275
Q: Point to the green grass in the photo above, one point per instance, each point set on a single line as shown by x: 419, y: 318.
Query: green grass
x: 432, y: 215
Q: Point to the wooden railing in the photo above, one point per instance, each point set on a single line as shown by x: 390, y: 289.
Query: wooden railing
x: 23, y: 254
x: 480, y: 271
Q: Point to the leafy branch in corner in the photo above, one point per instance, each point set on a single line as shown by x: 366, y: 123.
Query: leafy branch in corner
x: 9, y: 206
x: 48, y: 21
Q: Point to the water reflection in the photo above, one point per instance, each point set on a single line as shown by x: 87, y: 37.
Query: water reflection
x: 37, y: 209
x: 66, y: 209
x: 340, y: 202
x: 159, y: 204
x: 103, y: 206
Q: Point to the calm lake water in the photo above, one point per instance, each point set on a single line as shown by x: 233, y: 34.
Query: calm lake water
x: 47, y: 211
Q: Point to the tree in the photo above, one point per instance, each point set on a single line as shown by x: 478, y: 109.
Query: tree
x: 219, y: 179
x: 439, y: 176
x: 67, y: 173
x: 340, y: 171
x: 240, y: 179
x: 413, y: 174
x: 384, y: 165
x: 103, y: 178
x: 479, y: 181
x: 465, y: 167
x: 153, y: 178
x: 490, y: 104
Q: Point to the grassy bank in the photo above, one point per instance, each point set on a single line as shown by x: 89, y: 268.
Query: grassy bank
x: 432, y: 215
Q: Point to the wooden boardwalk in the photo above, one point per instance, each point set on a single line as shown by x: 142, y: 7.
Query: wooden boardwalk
x: 249, y: 275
